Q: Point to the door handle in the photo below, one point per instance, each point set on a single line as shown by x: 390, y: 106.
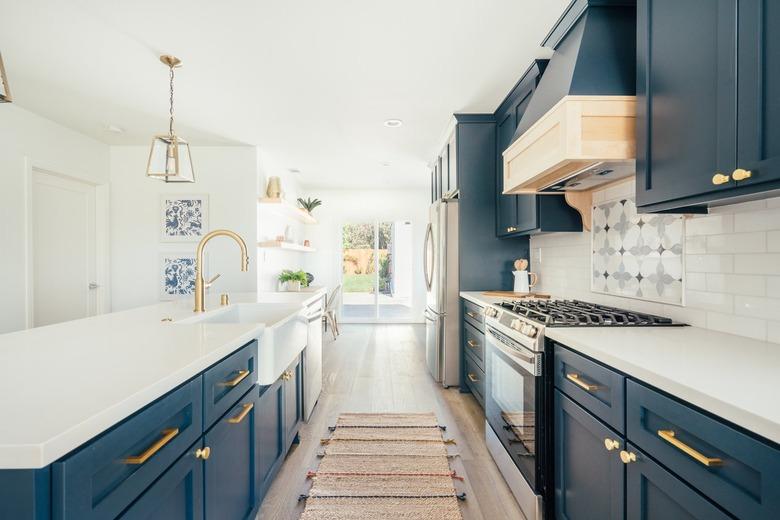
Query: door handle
x: 93, y: 285
x: 428, y: 275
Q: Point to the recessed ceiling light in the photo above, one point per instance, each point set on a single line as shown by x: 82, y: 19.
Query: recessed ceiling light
x: 385, y: 163
x: 393, y: 123
x: 293, y: 170
x: 115, y: 129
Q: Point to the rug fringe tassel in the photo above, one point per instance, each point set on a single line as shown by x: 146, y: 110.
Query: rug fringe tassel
x: 386, y: 426
x: 311, y: 474
x: 459, y: 496
x: 329, y: 440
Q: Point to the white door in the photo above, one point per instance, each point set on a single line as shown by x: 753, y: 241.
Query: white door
x: 63, y: 249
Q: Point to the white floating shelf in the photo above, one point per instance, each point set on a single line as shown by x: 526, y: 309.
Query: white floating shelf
x: 288, y: 209
x: 291, y: 246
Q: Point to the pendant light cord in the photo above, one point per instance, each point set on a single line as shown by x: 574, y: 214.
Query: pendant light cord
x: 170, y: 127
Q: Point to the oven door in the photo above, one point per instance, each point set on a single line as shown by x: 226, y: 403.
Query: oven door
x: 512, y: 400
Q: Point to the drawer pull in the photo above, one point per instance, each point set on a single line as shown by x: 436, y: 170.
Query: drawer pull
x: 575, y: 378
x: 471, y: 343
x: 167, y: 436
x: 740, y: 174
x: 611, y: 444
x: 719, y: 179
x: 472, y: 378
x: 627, y: 457
x: 243, y: 413
x: 668, y: 436
x: 472, y: 315
x: 240, y: 377
x: 203, y: 453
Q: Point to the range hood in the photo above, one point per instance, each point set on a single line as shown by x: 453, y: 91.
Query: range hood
x: 578, y: 132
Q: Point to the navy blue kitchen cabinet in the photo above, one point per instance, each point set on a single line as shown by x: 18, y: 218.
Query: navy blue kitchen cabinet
x: 589, y: 475
x: 518, y: 215
x: 652, y: 493
x: 177, y: 495
x: 708, y: 118
x: 269, y: 436
x: 229, y: 470
x: 293, y: 401
x: 166, y: 461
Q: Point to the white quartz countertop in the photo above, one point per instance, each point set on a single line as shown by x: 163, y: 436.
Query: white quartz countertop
x: 732, y: 377
x: 63, y: 384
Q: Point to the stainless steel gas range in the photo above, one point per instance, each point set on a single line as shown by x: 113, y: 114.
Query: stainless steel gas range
x: 518, y: 393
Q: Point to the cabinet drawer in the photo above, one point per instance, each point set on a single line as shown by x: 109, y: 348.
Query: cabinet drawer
x: 474, y: 344
x: 739, y: 472
x: 474, y: 314
x: 475, y: 379
x: 594, y: 386
x: 103, y: 478
x: 177, y: 495
x: 652, y: 493
x: 228, y: 380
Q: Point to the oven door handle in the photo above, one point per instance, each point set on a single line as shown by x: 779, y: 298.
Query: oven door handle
x: 527, y: 363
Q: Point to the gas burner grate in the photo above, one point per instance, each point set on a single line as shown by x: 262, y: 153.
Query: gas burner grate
x: 576, y: 313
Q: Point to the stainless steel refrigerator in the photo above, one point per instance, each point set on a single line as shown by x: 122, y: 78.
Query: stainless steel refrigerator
x: 442, y: 301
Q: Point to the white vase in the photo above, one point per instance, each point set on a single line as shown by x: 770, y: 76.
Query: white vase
x: 293, y: 286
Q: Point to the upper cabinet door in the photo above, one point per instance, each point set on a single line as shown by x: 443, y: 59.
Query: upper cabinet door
x: 686, y: 98
x: 452, y: 150
x: 758, y: 144
x: 506, y: 205
x: 444, y: 160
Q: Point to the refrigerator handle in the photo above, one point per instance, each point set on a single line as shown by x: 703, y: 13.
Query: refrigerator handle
x: 428, y: 239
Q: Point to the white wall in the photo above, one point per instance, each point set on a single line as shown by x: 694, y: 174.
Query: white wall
x: 227, y: 174
x: 30, y: 141
x: 342, y: 206
x: 732, y: 259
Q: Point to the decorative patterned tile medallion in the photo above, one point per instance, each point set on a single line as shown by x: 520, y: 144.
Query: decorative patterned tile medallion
x: 177, y: 275
x: 184, y: 217
x: 637, y: 256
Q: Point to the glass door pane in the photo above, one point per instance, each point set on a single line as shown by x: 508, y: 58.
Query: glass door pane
x: 358, y: 267
x: 395, y: 270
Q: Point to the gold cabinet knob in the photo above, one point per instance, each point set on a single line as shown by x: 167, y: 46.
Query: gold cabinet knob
x: 740, y: 174
x: 719, y: 179
x: 627, y: 456
x: 203, y: 453
x: 611, y: 444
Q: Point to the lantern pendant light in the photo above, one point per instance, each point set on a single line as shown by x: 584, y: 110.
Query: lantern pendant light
x: 5, y: 90
x: 169, y: 158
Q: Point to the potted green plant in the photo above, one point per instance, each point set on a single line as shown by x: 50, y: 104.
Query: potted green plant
x: 309, y: 204
x: 293, y: 280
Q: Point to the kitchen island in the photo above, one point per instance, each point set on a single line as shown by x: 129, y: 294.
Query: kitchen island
x: 111, y: 402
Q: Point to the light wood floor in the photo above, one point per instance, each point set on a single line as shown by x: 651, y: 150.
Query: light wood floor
x: 381, y: 368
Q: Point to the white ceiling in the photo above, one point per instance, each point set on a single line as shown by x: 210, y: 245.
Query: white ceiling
x: 309, y: 81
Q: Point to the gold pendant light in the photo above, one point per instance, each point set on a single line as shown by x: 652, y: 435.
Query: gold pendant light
x: 5, y: 90
x: 169, y: 158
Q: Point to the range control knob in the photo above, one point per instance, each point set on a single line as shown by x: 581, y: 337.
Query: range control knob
x: 515, y: 324
x: 490, y: 312
x: 532, y: 331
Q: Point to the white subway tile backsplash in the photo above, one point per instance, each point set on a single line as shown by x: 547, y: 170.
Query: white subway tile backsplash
x: 737, y: 243
x: 768, y: 263
x: 709, y: 225
x: 773, y: 241
x: 757, y: 220
x: 732, y: 268
x: 739, y: 325
x: 709, y: 263
x: 745, y: 284
x: 756, y: 307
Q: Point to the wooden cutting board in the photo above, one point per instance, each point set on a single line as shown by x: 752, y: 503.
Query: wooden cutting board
x: 511, y: 294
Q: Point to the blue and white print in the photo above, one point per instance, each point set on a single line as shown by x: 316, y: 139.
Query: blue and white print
x: 638, y: 256
x: 183, y: 217
x: 178, y: 275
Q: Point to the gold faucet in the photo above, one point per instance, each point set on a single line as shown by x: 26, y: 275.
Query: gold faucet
x: 200, y: 284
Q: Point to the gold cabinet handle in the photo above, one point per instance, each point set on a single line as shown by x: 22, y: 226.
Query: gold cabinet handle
x: 471, y: 343
x: 472, y: 378
x: 719, y: 179
x: 740, y: 175
x: 240, y: 377
x: 669, y: 436
x: 167, y: 436
x: 203, y: 453
x: 243, y: 413
x: 575, y: 378
x: 611, y: 444
x: 627, y: 456
x: 287, y: 375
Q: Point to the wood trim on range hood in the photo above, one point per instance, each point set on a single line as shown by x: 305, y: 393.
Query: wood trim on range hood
x: 578, y: 133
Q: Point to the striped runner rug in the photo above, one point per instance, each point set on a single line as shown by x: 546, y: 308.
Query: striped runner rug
x: 382, y: 467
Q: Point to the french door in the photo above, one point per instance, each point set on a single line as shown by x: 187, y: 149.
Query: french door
x: 376, y: 271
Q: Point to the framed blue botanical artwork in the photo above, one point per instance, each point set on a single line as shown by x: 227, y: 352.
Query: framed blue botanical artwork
x: 185, y: 218
x: 177, y: 274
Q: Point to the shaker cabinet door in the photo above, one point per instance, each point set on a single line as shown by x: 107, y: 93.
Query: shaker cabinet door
x: 686, y: 98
